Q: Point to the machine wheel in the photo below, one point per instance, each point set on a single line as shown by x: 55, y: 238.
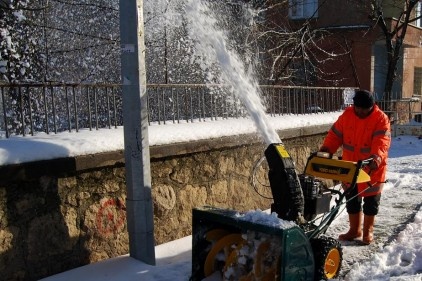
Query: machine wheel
x: 226, y: 245
x: 328, y: 256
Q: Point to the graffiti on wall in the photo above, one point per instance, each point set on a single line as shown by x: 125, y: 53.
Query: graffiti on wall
x: 111, y: 217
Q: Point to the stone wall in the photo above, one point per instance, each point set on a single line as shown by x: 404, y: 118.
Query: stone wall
x: 64, y: 213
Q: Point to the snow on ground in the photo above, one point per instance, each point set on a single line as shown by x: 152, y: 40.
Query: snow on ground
x: 20, y: 149
x: 395, y: 255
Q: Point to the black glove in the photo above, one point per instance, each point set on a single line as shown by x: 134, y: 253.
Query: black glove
x: 375, y: 162
x: 324, y: 149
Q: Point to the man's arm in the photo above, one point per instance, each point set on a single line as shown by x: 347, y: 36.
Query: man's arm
x: 381, y: 140
x: 334, y: 138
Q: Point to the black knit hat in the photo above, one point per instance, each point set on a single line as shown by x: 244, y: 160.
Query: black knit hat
x: 364, y: 99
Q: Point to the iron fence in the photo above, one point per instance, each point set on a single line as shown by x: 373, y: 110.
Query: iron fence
x: 302, y: 100
x: 402, y: 111
x: 33, y: 108
x: 28, y: 109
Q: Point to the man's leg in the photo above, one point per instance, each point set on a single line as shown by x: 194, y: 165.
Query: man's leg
x: 370, y: 210
x: 354, y: 210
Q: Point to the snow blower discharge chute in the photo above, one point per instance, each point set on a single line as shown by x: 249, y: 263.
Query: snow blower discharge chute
x: 230, y: 245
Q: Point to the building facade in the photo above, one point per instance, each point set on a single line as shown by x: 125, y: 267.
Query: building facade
x: 358, y: 44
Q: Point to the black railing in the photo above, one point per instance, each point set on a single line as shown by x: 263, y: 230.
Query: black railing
x: 402, y: 111
x: 34, y: 108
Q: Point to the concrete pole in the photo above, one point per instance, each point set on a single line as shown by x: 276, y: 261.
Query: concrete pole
x: 140, y: 216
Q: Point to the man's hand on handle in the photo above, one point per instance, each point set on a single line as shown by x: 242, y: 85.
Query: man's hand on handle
x: 375, y: 162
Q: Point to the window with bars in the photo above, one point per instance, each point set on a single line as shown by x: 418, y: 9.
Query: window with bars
x: 303, y: 9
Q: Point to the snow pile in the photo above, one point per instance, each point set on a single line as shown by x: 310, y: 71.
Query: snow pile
x: 261, y: 217
x: 401, y: 260
x: 19, y: 149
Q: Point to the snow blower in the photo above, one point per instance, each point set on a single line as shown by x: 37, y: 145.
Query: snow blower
x: 287, y: 244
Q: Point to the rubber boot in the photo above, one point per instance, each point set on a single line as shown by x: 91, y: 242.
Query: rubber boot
x: 355, y: 231
x: 368, y: 229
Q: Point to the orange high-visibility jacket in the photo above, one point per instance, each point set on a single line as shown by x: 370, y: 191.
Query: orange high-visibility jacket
x: 360, y: 139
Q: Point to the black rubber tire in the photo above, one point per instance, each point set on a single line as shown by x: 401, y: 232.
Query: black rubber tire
x: 328, y: 256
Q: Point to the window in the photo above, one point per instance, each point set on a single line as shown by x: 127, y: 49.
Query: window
x: 303, y: 9
x: 417, y: 81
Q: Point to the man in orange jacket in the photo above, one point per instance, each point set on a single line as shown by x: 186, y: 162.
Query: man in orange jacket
x: 363, y: 131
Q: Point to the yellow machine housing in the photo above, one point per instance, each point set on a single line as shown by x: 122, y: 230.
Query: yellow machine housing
x: 340, y: 170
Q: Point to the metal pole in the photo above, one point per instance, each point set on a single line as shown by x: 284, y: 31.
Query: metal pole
x: 135, y: 121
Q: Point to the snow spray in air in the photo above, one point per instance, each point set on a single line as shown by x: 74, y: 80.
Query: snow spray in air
x: 211, y: 46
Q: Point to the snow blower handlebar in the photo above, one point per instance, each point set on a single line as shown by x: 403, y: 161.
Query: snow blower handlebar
x: 346, y: 171
x: 335, y: 169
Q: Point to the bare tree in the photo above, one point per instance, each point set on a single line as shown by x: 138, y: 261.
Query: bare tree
x: 394, y: 32
x: 80, y: 40
x: 18, y: 52
x: 59, y: 41
x: 19, y: 58
x: 290, y: 54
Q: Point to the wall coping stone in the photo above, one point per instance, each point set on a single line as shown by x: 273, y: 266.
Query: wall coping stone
x: 69, y: 165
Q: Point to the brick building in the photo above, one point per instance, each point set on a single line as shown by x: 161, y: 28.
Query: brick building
x: 349, y: 31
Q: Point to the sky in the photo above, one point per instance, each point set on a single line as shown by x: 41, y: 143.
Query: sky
x: 401, y: 259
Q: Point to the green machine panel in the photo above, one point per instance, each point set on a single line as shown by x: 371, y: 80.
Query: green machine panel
x: 239, y: 247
